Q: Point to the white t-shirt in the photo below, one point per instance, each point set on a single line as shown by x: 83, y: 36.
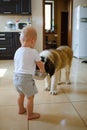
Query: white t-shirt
x: 24, y: 60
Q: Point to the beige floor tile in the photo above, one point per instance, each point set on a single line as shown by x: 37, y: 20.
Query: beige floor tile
x: 76, y: 93
x: 6, y: 82
x: 47, y: 98
x: 81, y: 107
x: 55, y: 116
x: 8, y: 97
x: 5, y: 63
x: 78, y: 71
x: 44, y: 96
x: 6, y: 73
x: 10, y: 120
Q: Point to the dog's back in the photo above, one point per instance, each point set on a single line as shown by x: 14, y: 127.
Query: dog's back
x: 62, y: 56
x: 65, y: 50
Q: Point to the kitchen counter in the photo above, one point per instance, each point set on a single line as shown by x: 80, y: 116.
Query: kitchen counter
x: 9, y: 30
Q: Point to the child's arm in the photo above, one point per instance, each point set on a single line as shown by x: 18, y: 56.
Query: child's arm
x: 40, y: 65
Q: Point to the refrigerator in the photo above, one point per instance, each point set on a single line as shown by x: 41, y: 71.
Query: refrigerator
x: 79, y: 38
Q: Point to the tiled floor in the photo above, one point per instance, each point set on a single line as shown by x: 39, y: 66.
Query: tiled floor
x: 65, y: 111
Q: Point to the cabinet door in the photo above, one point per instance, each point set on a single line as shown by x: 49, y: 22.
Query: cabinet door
x: 16, y: 42
x: 9, y: 7
x: 6, y: 51
x: 25, y: 6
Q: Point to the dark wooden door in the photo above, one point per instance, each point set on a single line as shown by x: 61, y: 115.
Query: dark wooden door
x: 64, y: 28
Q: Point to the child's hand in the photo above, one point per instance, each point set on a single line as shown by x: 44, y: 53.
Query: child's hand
x: 40, y: 65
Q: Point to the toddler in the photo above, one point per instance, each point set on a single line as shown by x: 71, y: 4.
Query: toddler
x: 25, y: 60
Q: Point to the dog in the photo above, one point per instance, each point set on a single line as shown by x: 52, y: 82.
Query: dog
x: 54, y: 60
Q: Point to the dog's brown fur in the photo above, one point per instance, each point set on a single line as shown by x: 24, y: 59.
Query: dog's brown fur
x: 61, y: 57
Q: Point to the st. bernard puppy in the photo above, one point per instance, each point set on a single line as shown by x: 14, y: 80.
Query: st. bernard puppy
x: 54, y: 60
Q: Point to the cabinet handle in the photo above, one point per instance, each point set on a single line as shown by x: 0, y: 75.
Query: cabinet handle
x: 3, y: 39
x: 24, y: 12
x: 7, y: 12
x: 6, y: 0
x: 3, y: 49
x: 2, y: 34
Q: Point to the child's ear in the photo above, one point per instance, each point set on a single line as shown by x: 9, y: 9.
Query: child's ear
x: 32, y: 39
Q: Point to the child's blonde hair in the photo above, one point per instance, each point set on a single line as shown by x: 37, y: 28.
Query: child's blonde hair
x: 28, y: 33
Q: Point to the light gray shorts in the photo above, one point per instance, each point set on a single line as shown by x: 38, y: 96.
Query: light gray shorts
x: 24, y: 84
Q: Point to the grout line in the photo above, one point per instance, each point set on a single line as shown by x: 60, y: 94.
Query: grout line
x: 47, y: 103
x: 27, y: 125
x: 79, y: 114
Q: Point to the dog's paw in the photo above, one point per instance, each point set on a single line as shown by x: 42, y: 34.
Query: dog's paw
x: 47, y: 89
x: 68, y: 82
x: 59, y: 83
x: 54, y: 92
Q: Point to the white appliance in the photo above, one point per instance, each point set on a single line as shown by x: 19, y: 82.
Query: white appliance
x: 79, y: 40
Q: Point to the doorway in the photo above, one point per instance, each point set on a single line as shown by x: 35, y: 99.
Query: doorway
x: 64, y: 28
x: 68, y: 17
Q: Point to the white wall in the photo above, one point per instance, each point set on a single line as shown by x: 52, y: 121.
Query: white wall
x: 37, y: 22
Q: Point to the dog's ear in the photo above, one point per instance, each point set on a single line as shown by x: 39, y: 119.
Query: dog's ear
x: 49, y: 67
x: 43, y: 59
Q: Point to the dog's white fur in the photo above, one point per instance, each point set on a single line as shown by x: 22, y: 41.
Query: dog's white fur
x: 61, y: 58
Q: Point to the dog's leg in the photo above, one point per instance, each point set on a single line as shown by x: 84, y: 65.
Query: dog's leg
x: 59, y: 77
x: 67, y: 74
x: 47, y: 82
x: 54, y: 82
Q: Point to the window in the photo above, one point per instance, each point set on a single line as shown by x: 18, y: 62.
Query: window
x: 48, y: 16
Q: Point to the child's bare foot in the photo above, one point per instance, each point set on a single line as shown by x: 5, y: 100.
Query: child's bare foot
x: 34, y: 116
x: 22, y: 111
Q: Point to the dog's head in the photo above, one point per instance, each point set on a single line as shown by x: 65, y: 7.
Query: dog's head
x: 49, y: 66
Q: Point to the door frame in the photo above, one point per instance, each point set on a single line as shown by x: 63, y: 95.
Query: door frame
x: 70, y: 14
x: 43, y: 24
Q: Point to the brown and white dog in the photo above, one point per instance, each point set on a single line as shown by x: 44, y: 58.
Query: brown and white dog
x: 54, y: 60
